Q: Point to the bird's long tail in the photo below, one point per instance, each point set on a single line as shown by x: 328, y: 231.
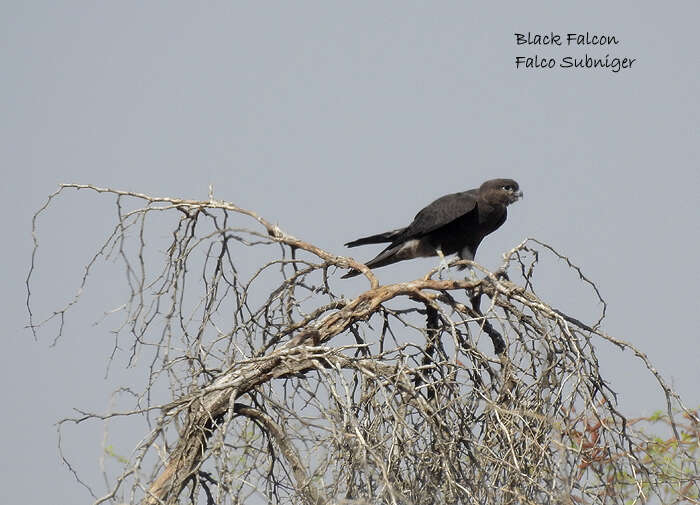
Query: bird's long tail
x: 386, y: 257
x: 379, y: 238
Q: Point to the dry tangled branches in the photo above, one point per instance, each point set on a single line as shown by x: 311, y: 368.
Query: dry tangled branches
x: 282, y: 390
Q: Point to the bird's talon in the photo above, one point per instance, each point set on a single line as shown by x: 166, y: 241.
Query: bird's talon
x: 443, y: 263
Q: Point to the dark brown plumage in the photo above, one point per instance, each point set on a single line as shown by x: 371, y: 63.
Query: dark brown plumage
x: 455, y: 223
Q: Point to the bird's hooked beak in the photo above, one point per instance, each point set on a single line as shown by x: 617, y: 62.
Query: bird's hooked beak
x: 515, y: 196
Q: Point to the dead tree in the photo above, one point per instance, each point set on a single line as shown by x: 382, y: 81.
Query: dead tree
x: 283, y: 388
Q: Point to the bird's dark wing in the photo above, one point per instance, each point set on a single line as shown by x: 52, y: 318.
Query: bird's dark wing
x: 439, y: 213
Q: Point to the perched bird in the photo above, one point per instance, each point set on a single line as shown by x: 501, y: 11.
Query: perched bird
x: 455, y: 223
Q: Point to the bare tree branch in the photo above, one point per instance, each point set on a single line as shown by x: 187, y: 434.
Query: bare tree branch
x: 267, y: 384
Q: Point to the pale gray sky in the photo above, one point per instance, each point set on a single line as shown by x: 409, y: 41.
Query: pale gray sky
x: 338, y: 120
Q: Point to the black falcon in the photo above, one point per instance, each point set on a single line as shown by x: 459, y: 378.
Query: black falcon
x: 455, y: 223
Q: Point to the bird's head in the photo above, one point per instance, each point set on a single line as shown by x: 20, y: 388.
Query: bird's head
x: 502, y: 191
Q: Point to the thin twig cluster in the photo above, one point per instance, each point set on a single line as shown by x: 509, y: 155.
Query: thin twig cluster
x: 269, y: 384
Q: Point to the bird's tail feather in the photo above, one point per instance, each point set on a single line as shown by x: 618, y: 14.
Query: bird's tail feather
x: 379, y: 238
x: 386, y: 257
